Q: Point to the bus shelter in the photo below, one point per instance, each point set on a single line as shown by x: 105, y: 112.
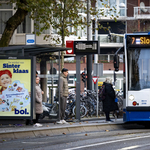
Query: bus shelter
x: 17, y: 101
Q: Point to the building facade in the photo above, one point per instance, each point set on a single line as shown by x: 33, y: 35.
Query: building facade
x: 132, y: 16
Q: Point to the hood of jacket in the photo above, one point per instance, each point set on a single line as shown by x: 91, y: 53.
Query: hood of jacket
x: 63, y: 75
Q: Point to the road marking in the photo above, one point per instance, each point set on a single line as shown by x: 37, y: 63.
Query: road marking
x: 131, y: 147
x: 79, y: 147
x: 35, y: 142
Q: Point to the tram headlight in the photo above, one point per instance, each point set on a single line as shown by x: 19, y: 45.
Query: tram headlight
x: 131, y: 97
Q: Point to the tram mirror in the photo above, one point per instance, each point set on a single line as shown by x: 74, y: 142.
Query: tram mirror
x: 116, y: 62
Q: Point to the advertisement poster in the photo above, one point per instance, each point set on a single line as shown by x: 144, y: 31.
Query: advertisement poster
x: 15, y: 87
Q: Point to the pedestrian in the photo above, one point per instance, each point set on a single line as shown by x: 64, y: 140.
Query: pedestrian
x: 38, y: 102
x: 63, y: 95
x: 109, y: 103
x: 37, y: 75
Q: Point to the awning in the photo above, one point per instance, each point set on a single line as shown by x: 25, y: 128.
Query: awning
x: 30, y: 50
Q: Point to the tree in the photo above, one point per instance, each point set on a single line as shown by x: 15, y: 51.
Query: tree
x: 13, y: 22
x: 61, y: 14
x: 23, y: 7
x: 58, y: 14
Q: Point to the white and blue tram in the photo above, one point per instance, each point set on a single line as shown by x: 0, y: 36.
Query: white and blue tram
x: 136, y: 74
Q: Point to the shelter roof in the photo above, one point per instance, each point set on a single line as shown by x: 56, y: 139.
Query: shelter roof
x: 29, y: 50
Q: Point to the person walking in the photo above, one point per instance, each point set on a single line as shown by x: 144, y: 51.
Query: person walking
x: 109, y: 103
x: 38, y: 102
x: 63, y: 95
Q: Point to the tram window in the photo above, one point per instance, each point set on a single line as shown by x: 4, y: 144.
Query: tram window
x: 70, y: 82
x: 138, y: 69
x: 71, y: 76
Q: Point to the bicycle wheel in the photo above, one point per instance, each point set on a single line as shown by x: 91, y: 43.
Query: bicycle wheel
x: 83, y: 110
x: 90, y: 108
x: 89, y: 104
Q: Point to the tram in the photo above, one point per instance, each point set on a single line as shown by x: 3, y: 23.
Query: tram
x: 136, y: 72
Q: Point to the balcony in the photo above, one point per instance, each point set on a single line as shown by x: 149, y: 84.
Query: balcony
x: 105, y: 41
x: 142, y: 12
x: 109, y: 13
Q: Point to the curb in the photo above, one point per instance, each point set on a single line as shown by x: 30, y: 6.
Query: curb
x: 58, y: 130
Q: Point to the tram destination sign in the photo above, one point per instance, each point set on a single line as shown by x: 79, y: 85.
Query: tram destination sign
x: 86, y: 47
x: 138, y: 40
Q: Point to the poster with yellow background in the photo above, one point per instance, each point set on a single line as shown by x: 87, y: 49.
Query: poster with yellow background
x: 15, y: 87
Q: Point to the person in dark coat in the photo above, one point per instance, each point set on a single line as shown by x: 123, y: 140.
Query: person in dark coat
x: 109, y: 103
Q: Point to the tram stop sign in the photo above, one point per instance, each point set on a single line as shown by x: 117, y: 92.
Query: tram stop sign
x: 86, y: 47
x: 94, y: 79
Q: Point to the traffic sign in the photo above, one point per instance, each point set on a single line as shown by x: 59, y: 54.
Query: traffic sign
x: 86, y: 47
x: 94, y: 79
x: 69, y: 44
x: 30, y: 39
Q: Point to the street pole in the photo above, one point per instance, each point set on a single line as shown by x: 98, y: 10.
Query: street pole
x: 96, y: 38
x: 85, y: 80
x: 89, y: 57
x: 59, y: 88
x: 96, y: 56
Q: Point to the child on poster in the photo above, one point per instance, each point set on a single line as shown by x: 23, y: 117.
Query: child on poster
x: 5, y: 79
x: 12, y: 95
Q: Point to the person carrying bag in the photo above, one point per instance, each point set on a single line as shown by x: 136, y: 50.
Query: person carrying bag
x: 109, y: 96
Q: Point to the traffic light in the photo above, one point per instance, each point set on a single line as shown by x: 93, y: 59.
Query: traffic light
x: 75, y: 79
x: 116, y: 62
x: 83, y: 76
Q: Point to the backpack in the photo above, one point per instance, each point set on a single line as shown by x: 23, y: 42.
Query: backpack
x: 102, y: 93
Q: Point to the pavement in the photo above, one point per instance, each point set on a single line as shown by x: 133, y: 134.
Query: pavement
x: 16, y: 131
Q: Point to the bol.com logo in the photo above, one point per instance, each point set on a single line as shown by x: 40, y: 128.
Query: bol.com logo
x: 21, y: 111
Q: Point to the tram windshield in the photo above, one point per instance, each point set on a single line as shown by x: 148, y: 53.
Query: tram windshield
x: 138, y: 68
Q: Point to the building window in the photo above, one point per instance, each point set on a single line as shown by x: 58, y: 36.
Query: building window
x: 41, y: 25
x: 103, y: 58
x: 25, y: 26
x: 112, y: 4
x: 4, y: 16
x: 5, y: 13
x: 102, y: 4
x: 122, y: 10
x: 4, y: 5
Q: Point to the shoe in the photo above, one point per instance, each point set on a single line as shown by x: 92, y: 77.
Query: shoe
x: 59, y: 122
x: 109, y: 121
x: 29, y: 122
x: 37, y: 125
x: 64, y: 122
